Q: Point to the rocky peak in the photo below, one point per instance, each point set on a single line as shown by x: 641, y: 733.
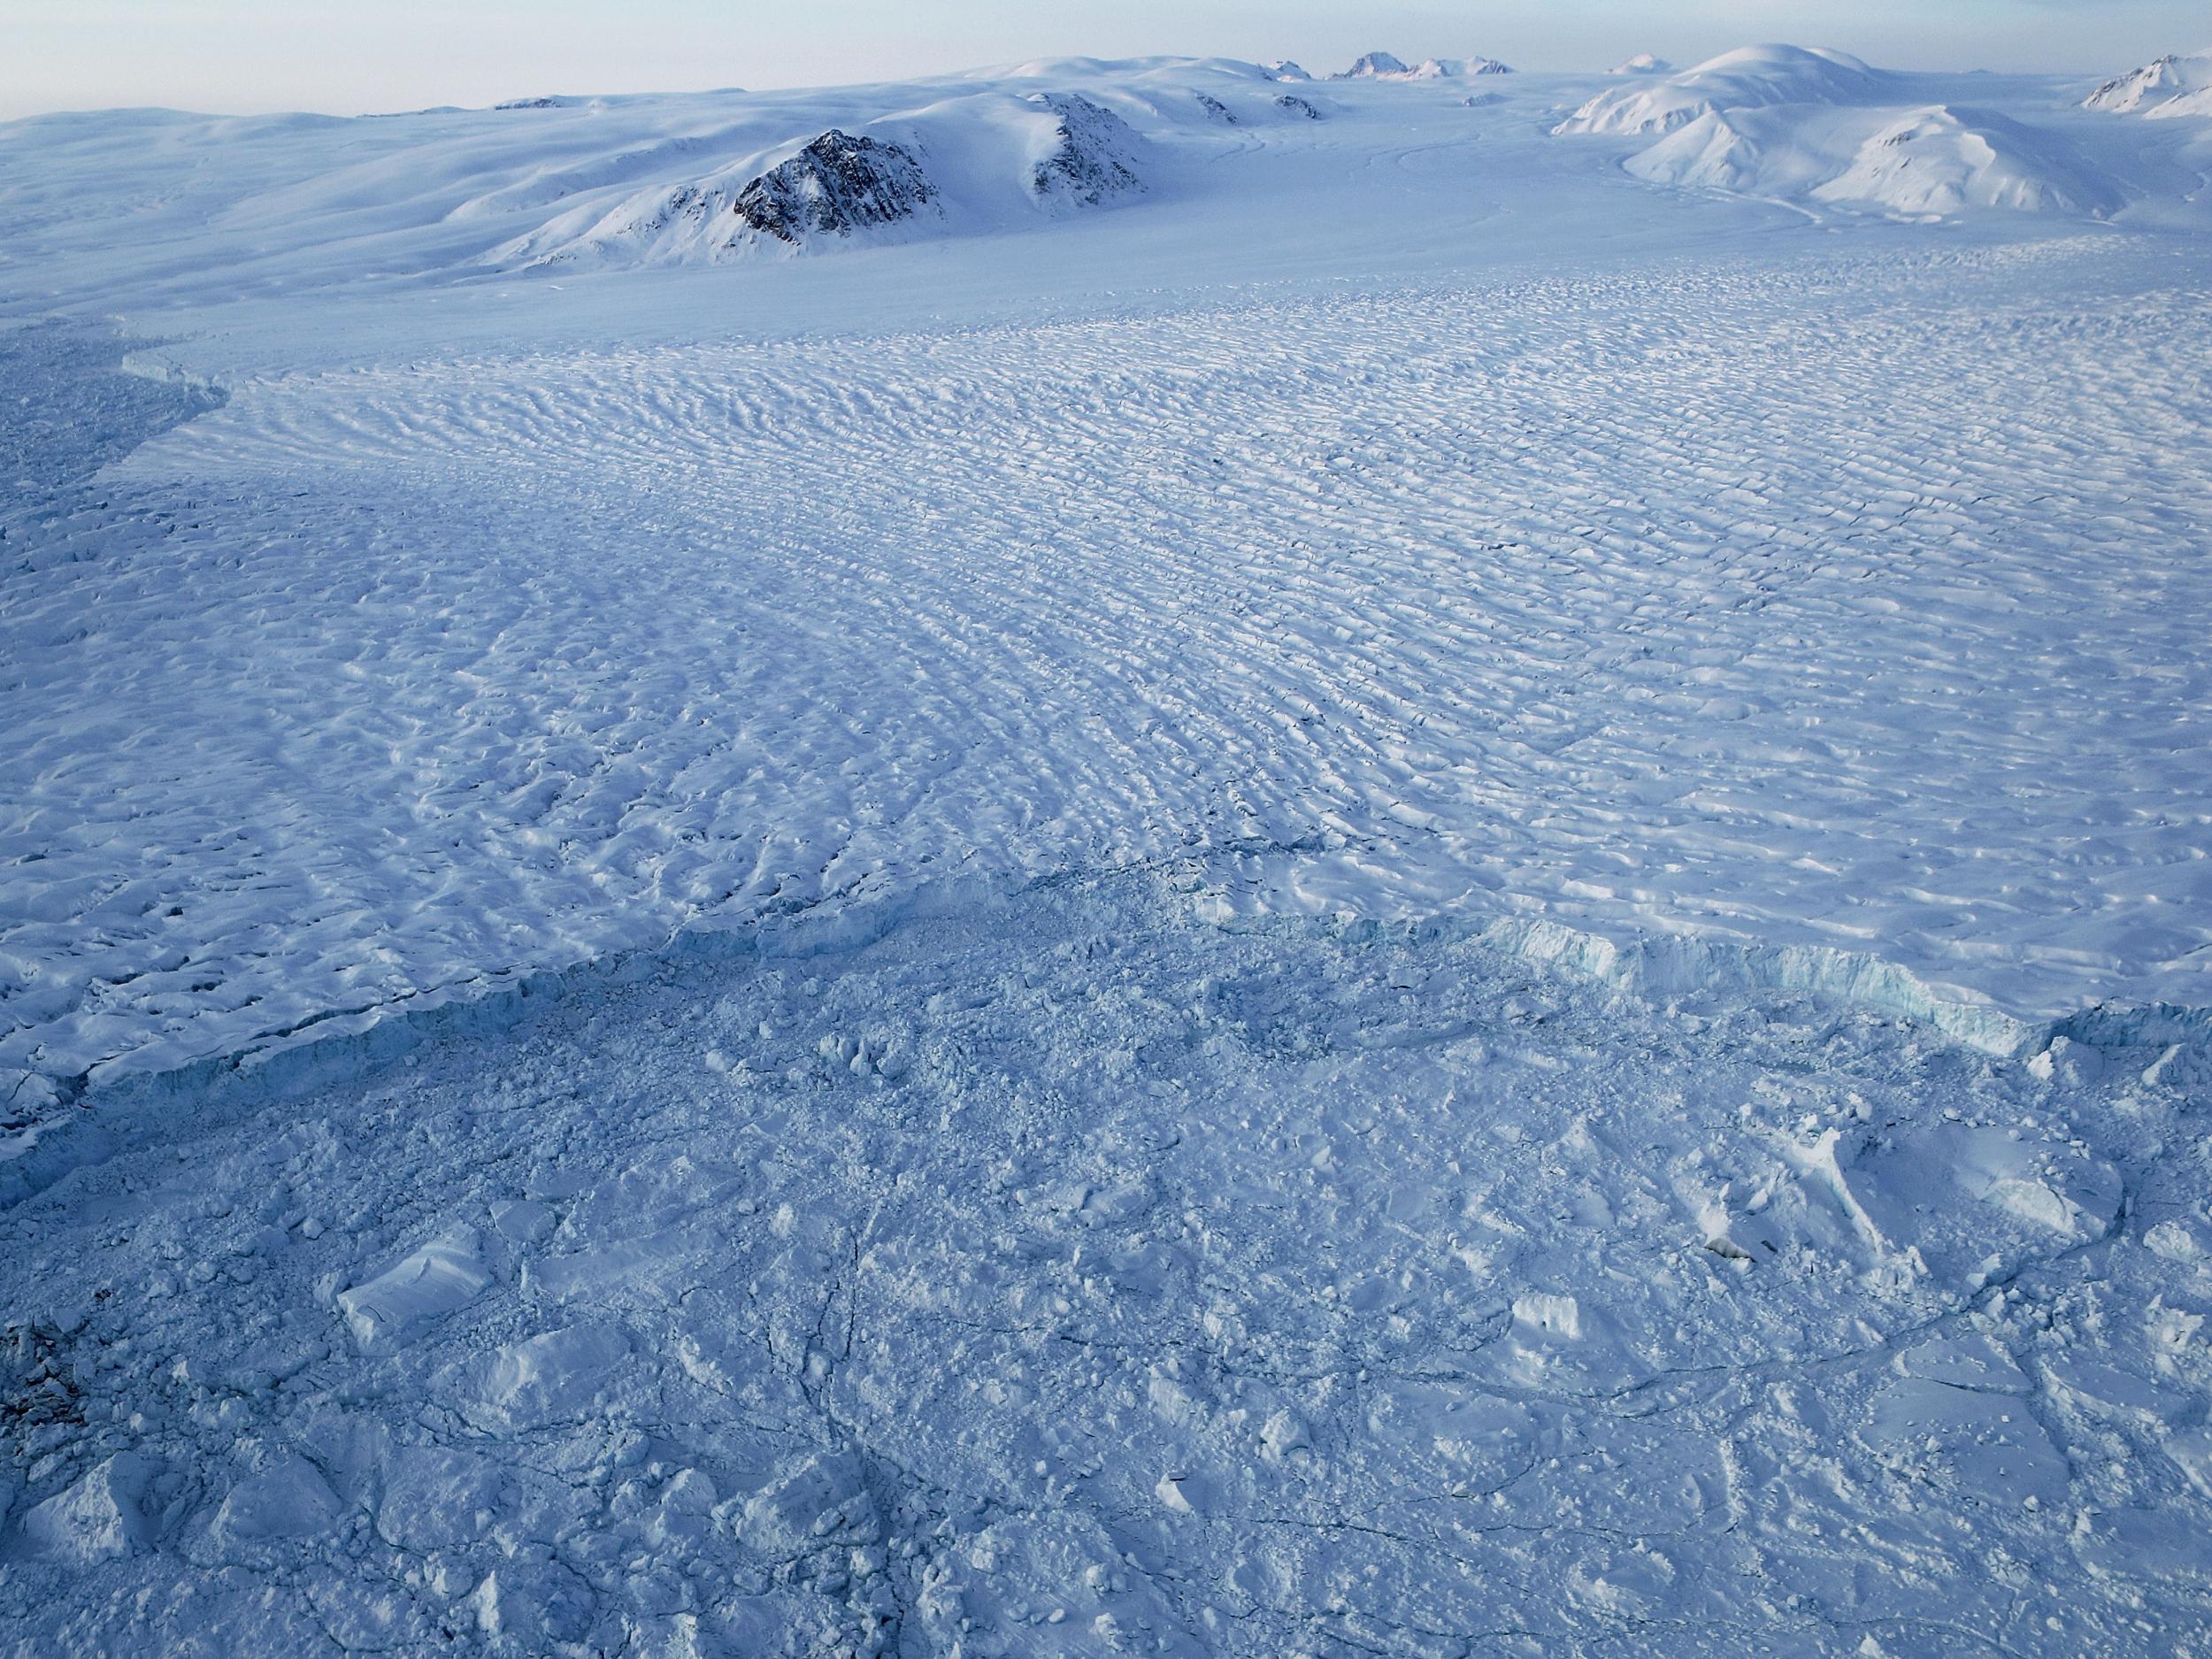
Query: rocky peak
x: 838, y: 184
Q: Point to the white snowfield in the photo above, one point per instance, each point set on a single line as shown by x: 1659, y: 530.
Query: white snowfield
x: 1110, y: 859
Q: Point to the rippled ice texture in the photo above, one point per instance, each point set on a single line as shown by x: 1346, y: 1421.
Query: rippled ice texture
x: 1787, y: 605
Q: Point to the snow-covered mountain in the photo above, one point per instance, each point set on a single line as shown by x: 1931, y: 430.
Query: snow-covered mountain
x: 1384, y: 66
x: 1375, y: 66
x: 1641, y: 64
x: 2169, y: 86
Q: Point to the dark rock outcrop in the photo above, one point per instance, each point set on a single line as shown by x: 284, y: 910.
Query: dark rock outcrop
x: 1296, y: 105
x: 1090, y: 162
x: 836, y: 185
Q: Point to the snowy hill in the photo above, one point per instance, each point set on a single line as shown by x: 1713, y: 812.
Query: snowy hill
x: 1787, y: 123
x: 2170, y: 86
x: 1641, y: 64
x: 835, y: 186
x: 1931, y: 162
x: 1751, y: 77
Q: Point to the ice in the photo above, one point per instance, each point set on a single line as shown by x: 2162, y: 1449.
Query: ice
x: 434, y: 1279
x: 100, y: 1517
x: 1183, y: 1276
x: 288, y: 1500
x: 1241, y: 875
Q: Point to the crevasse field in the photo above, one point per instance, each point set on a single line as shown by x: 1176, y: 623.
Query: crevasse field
x: 1113, y: 859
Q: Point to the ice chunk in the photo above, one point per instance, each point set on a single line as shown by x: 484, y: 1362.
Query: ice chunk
x: 98, y: 1519
x: 289, y: 1499
x: 1558, y: 1316
x: 429, y: 1282
x: 558, y: 1376
x: 820, y: 1501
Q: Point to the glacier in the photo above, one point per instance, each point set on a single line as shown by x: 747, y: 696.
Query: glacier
x: 1090, y: 859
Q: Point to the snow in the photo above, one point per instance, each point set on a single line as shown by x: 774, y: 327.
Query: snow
x: 1263, y: 885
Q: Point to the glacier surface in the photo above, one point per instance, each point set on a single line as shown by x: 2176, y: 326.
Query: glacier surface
x: 1220, y: 872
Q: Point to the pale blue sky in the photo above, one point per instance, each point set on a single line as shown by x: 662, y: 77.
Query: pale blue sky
x: 347, y: 56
